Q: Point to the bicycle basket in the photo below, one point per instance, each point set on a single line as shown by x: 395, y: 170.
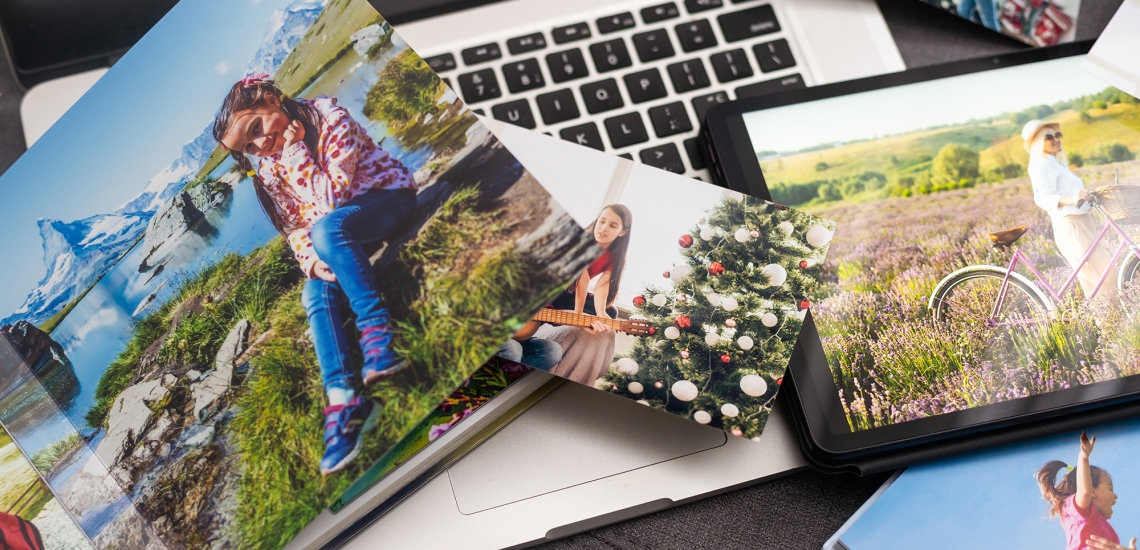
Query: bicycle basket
x: 1120, y: 202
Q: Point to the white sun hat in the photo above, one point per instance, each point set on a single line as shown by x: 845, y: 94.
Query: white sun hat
x: 1032, y: 127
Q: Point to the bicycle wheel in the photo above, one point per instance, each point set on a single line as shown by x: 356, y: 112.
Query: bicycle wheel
x: 1129, y: 269
x: 969, y: 295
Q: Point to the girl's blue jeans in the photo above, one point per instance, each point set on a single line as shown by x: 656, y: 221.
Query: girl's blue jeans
x: 986, y: 8
x: 337, y: 238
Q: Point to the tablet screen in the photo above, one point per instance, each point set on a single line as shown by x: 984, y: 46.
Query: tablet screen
x: 975, y: 260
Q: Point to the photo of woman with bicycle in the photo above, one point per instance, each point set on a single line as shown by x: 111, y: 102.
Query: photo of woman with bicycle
x: 986, y: 249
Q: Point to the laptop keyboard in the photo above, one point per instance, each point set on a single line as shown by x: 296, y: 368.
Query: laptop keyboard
x: 636, y: 82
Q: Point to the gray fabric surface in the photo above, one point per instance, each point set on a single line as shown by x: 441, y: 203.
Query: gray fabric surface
x: 798, y: 511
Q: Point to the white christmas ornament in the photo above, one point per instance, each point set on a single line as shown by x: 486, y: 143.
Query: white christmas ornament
x: 635, y: 388
x: 753, y: 385
x: 776, y: 274
x: 680, y: 272
x: 672, y: 333
x: 643, y: 402
x: 734, y: 195
x: 712, y: 338
x: 660, y: 300
x: 742, y: 235
x: 708, y: 233
x: 713, y: 298
x: 684, y: 390
x: 745, y: 342
x: 702, y: 417
x: 627, y: 366
x: 601, y: 384
x: 729, y: 303
x: 769, y: 320
x: 729, y: 410
x: 818, y: 236
x: 786, y: 228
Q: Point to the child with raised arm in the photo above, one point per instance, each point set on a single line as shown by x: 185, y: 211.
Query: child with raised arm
x: 328, y: 188
x: 1083, y: 499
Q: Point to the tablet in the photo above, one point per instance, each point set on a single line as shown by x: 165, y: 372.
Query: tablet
x: 981, y: 279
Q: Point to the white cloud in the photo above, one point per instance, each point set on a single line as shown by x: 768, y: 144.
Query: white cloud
x: 222, y: 68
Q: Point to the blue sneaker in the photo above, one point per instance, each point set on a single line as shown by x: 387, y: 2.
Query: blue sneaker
x: 344, y: 426
x: 380, y: 361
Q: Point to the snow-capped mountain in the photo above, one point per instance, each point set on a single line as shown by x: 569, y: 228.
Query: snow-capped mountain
x: 286, y: 28
x: 76, y: 255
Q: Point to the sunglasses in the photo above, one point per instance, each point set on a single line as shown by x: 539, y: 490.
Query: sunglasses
x: 1053, y: 137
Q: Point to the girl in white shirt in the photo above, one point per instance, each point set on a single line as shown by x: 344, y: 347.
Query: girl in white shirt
x: 1058, y: 192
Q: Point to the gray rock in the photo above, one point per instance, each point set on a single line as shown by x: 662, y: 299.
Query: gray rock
x: 193, y: 375
x: 169, y: 380
x: 158, y: 432
x: 164, y: 451
x: 365, y: 38
x: 217, y: 382
x: 201, y: 437
x: 178, y: 216
x: 128, y: 419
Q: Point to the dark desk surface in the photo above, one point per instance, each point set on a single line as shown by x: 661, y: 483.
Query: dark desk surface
x: 799, y: 511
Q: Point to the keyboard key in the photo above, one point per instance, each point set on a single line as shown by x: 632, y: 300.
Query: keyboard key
x: 748, y: 23
x: 479, y: 112
x: 523, y: 75
x: 790, y: 82
x: 602, y: 96
x: 616, y: 23
x: 774, y: 56
x: 688, y: 76
x: 695, y: 6
x: 645, y: 86
x: 479, y: 86
x: 481, y: 54
x: 665, y: 157
x: 567, y: 65
x: 653, y: 45
x: 702, y: 104
x: 441, y: 63
x: 670, y: 120
x: 696, y: 159
x: 528, y: 43
x: 625, y: 130
x: 558, y: 106
x: 696, y: 35
x: 515, y: 112
x: 627, y: 156
x: 610, y: 55
x: 447, y: 81
x: 570, y: 33
x: 654, y: 14
x: 586, y: 134
x: 731, y: 65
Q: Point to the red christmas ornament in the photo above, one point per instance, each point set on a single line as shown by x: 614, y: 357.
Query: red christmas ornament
x: 738, y: 432
x: 682, y: 322
x: 804, y: 304
x: 716, y: 268
x: 685, y: 241
x: 659, y: 384
x: 665, y: 274
x: 638, y: 301
x: 725, y: 358
x: 730, y: 323
x: 652, y: 331
x: 684, y: 354
x: 803, y: 264
x: 780, y: 381
x: 754, y: 234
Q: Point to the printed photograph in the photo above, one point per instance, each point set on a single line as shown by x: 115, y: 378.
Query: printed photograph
x: 264, y: 248
x: 986, y: 249
x: 695, y: 303
x: 30, y: 515
x: 1070, y: 492
x: 1035, y: 22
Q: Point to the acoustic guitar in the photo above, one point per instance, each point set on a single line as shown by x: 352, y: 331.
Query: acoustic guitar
x: 569, y: 318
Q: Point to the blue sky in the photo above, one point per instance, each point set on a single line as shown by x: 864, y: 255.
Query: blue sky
x: 130, y: 126
x: 991, y: 499
x: 922, y: 105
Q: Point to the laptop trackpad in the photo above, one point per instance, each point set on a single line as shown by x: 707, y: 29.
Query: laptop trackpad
x: 574, y: 435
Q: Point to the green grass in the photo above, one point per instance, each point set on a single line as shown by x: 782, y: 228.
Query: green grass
x: 46, y: 459
x: 327, y: 40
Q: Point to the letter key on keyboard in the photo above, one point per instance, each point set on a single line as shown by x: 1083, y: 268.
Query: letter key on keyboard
x: 626, y: 129
x: 602, y: 96
x: 585, y: 134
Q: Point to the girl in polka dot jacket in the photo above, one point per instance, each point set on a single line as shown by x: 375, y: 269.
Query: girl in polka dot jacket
x: 327, y: 187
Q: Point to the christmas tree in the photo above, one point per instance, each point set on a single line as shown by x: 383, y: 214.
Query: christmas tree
x: 726, y: 325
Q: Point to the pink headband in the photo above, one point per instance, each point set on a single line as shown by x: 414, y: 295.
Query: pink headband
x: 253, y: 79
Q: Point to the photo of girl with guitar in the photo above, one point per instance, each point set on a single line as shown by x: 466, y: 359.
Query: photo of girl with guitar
x: 574, y: 337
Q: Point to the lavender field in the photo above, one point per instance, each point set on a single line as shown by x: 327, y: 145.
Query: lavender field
x: 893, y: 362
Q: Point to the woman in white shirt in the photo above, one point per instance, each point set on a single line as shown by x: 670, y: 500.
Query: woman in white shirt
x: 1059, y: 193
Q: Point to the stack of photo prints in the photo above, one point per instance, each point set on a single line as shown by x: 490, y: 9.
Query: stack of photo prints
x: 249, y: 274
x: 1035, y: 22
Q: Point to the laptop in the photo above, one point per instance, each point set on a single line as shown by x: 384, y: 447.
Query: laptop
x: 631, y: 78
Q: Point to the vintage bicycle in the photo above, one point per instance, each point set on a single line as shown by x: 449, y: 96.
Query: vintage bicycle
x: 997, y: 296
